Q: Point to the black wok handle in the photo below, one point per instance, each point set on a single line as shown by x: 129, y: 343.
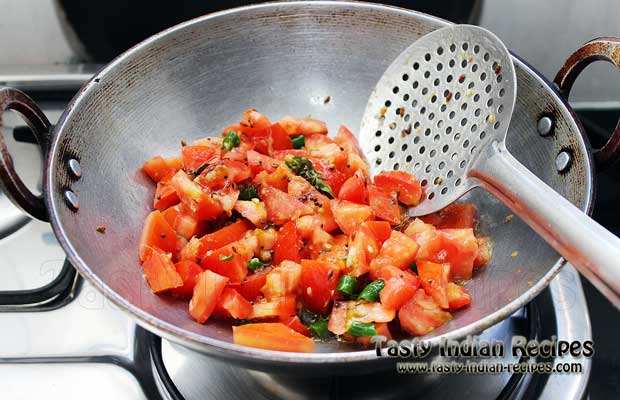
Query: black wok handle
x: 12, y: 184
x: 602, y: 48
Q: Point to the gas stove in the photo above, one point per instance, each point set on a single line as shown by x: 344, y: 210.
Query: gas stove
x: 61, y: 339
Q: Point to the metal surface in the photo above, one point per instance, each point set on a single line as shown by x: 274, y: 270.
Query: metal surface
x: 453, y: 149
x: 172, y: 86
x: 436, y: 108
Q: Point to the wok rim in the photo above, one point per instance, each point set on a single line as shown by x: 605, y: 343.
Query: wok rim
x: 227, y: 350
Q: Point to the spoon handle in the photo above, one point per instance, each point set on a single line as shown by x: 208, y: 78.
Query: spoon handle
x: 592, y: 249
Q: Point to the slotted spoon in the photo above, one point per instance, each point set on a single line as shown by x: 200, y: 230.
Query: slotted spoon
x: 442, y: 111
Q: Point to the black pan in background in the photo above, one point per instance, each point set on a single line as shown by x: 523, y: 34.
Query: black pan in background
x: 107, y: 28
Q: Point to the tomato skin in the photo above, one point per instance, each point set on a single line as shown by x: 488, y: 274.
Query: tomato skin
x: 399, y: 251
x: 421, y: 315
x: 195, y: 157
x: 458, y: 296
x: 232, y: 305
x: 434, y: 280
x: 400, y: 286
x: 380, y: 229
x: 404, y: 184
x: 254, y: 119
x: 384, y: 204
x: 295, y: 324
x: 280, y: 307
x: 254, y: 211
x: 197, y: 247
x: 302, y: 126
x: 288, y: 244
x: 282, y: 207
x: 354, y: 190
x: 208, y: 289
x: 346, y: 139
x: 160, y: 272
x: 259, y: 162
x: 250, y: 287
x: 269, y: 139
x: 197, y: 200
x: 282, y: 281
x: 349, y: 215
x: 165, y: 196
x: 454, y: 216
x: 158, y: 168
x: 189, y: 271
x: 156, y: 233
x: 318, y: 284
x: 217, y: 261
x: 272, y: 336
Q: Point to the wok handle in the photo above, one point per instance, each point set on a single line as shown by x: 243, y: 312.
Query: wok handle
x: 602, y: 48
x: 593, y: 250
x: 11, y: 183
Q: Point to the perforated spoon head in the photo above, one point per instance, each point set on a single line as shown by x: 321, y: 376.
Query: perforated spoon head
x: 437, y: 107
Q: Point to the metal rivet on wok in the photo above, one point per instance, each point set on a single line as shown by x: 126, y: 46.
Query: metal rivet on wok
x: 545, y: 125
x: 562, y: 161
x: 75, y: 168
x: 71, y: 200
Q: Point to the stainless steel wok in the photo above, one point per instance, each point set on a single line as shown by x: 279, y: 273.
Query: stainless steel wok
x: 282, y: 58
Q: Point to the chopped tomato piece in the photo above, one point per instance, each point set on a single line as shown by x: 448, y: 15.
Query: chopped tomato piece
x: 288, y: 244
x: 345, y: 312
x: 254, y: 119
x: 158, y: 168
x: 307, y: 194
x: 485, y: 252
x: 295, y: 324
x: 269, y: 139
x: 281, y: 307
x: 380, y: 229
x: 212, y: 142
x: 165, y: 196
x: 229, y: 261
x: 252, y: 284
x: 254, y: 210
x: 197, y: 247
x: 354, y: 189
x: 350, y: 215
x: 187, y: 225
x: 303, y: 126
x: 282, y: 281
x: 189, y: 271
x: 191, y: 194
x: 400, y: 286
x: 282, y: 207
x: 404, y: 184
x: 421, y: 315
x: 454, y: 216
x: 399, y: 251
x: 233, y: 305
x: 259, y: 162
x: 458, y: 296
x: 207, y: 292
x: 160, y: 273
x: 363, y: 247
x: 384, y: 204
x: 196, y: 157
x: 457, y: 247
x: 272, y: 336
x: 346, y: 139
x: 318, y: 284
x: 434, y: 279
x: 156, y: 233
x: 170, y: 214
